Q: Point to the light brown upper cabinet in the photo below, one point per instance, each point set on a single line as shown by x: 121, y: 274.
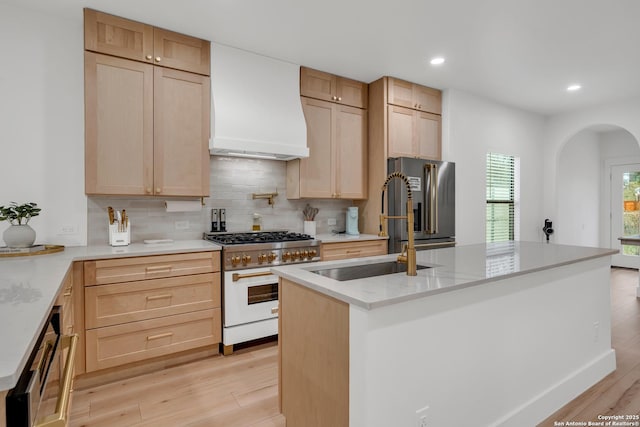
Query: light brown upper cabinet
x: 335, y: 113
x: 404, y: 121
x: 414, y: 96
x: 413, y: 133
x: 320, y: 85
x: 112, y: 35
x: 336, y: 166
x: 147, y: 127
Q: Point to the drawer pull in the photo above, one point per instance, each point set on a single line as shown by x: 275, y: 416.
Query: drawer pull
x: 159, y: 268
x: 157, y: 337
x: 275, y: 310
x: 155, y: 297
x: 353, y: 252
x: 237, y: 276
x: 67, y: 294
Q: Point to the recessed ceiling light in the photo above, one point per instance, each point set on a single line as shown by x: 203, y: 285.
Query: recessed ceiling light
x: 437, y: 61
x: 573, y: 88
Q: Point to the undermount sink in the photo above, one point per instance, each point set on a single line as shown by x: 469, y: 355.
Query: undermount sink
x: 366, y: 270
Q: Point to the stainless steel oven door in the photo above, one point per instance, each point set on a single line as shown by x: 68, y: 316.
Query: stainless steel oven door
x: 249, y: 295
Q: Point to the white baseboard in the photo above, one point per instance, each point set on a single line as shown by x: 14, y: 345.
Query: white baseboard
x: 546, y: 403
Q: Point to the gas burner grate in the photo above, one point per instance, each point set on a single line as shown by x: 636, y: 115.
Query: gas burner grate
x: 259, y: 237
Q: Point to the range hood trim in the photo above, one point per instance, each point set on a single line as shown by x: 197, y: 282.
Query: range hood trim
x: 231, y: 147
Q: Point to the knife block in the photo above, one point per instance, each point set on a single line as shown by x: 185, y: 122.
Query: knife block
x: 119, y: 236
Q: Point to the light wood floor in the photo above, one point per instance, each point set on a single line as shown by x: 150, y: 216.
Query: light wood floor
x: 237, y: 390
x: 241, y: 389
x: 619, y: 392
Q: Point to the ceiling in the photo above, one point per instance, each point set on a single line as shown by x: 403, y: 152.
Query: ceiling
x: 522, y: 53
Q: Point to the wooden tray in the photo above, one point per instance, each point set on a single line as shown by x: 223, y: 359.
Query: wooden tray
x: 48, y: 249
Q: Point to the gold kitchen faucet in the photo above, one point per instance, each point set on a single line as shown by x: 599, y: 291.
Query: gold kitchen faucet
x: 408, y: 254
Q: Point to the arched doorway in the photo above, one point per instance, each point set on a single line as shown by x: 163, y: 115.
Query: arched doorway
x: 593, y: 167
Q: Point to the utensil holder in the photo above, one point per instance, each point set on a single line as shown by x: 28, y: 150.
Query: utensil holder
x: 309, y: 227
x: 119, y: 236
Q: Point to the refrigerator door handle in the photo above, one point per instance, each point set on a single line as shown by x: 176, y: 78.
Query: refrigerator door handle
x: 432, y: 223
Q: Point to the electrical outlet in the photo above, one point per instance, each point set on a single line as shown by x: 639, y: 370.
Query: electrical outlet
x: 68, y: 229
x: 421, y: 417
x: 596, y: 331
x: 331, y: 221
x: 182, y: 225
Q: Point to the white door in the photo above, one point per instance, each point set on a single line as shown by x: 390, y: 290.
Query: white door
x: 625, y: 213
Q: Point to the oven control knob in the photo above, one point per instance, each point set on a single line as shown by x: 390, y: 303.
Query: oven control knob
x: 313, y: 253
x: 295, y: 255
x: 235, y: 260
x: 272, y: 256
x: 246, y: 259
x: 305, y: 254
x: 286, y: 256
x: 262, y: 258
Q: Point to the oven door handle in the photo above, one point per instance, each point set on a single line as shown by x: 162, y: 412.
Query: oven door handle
x: 59, y: 419
x: 237, y: 276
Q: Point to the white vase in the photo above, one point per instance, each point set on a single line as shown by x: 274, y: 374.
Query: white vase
x: 19, y: 236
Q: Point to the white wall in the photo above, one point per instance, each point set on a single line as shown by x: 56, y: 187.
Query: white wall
x: 578, y: 187
x: 42, y: 121
x: 472, y: 127
x: 561, y: 128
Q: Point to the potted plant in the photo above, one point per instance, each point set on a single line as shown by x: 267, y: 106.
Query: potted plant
x: 19, y: 234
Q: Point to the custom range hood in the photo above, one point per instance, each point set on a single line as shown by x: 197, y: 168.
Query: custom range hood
x: 256, y: 106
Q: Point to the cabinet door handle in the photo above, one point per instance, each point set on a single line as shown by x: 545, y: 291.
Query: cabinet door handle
x: 148, y: 189
x: 158, y: 59
x: 158, y: 190
x: 275, y: 310
x: 155, y: 297
x: 159, y: 268
x: 339, y: 98
x: 333, y: 98
x: 149, y: 57
x: 157, y: 337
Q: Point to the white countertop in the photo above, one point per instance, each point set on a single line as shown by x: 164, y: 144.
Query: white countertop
x: 29, y: 286
x: 336, y: 238
x: 451, y: 269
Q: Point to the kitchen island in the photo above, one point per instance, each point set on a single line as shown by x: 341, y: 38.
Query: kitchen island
x: 488, y: 335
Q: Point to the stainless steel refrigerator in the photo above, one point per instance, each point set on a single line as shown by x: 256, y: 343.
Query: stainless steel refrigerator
x: 433, y: 186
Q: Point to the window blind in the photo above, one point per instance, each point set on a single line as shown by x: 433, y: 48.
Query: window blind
x: 500, y: 197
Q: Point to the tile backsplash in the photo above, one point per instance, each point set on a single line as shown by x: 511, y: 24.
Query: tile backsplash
x: 233, y: 182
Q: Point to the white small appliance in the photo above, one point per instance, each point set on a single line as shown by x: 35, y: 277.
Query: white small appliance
x: 352, y: 221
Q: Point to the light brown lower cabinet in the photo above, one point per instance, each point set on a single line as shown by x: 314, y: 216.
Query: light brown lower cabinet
x: 332, y: 251
x: 140, y: 308
x: 132, y: 342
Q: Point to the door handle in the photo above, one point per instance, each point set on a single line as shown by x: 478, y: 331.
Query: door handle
x: 432, y: 223
x: 237, y: 276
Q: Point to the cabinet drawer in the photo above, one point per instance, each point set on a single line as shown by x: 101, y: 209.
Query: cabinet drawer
x: 128, y: 302
x: 346, y: 250
x: 149, y: 267
x: 136, y: 341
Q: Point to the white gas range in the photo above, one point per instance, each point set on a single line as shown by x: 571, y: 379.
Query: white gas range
x: 250, y: 291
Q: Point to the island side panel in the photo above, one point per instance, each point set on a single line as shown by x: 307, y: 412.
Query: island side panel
x: 314, y: 357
